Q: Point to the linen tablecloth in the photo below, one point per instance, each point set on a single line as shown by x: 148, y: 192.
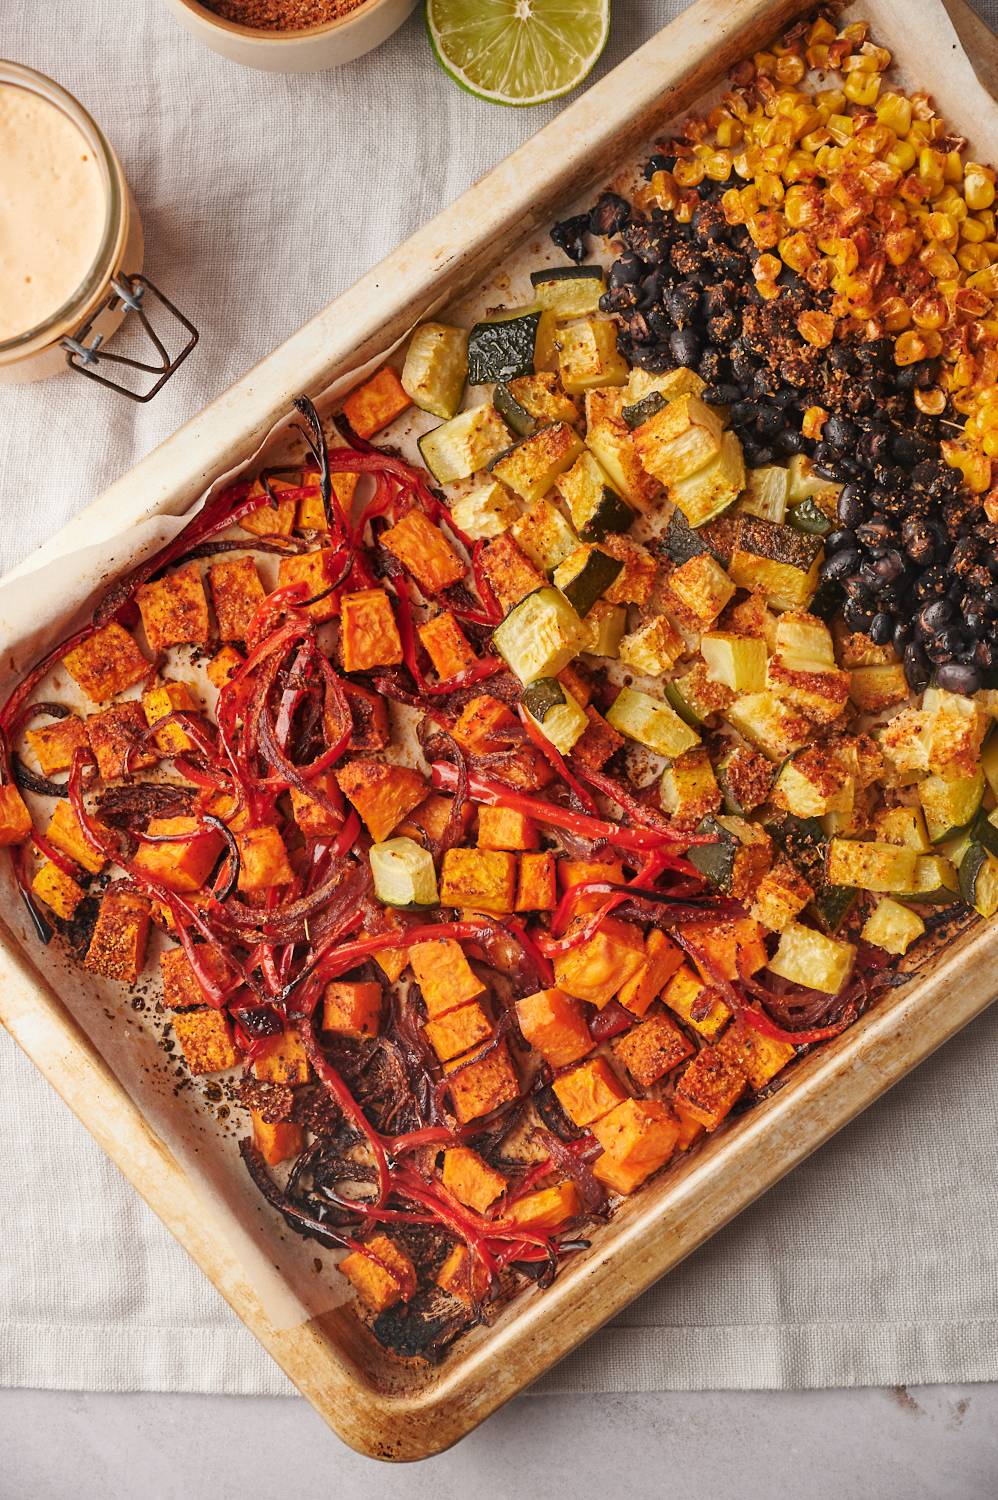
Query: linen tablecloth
x: 263, y: 197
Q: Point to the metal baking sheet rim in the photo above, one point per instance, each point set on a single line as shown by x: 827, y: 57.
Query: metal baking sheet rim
x: 381, y: 1410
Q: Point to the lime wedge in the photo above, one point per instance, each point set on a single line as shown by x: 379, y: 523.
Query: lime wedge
x: 518, y: 51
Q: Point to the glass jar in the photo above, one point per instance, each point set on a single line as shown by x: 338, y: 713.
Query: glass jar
x: 74, y: 333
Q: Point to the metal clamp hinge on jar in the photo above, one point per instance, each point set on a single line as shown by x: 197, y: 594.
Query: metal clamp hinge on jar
x: 128, y: 293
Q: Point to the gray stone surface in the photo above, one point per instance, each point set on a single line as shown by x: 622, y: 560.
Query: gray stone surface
x: 927, y: 1443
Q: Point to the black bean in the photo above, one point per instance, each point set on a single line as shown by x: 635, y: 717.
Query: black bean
x: 836, y: 540
x: 856, y: 616
x: 916, y: 668
x: 610, y: 214
x: 682, y: 302
x: 571, y: 235
x: 720, y: 395
x: 660, y: 162
x: 685, y: 346
x: 626, y: 269
x: 839, y: 431
x: 902, y: 635
x: 790, y: 441
x: 849, y: 509
x: 958, y: 677
x: 841, y: 564
x: 769, y: 421
x: 881, y: 629
x: 875, y: 533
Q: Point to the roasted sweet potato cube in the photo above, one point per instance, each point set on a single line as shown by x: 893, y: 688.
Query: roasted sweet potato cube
x: 311, y: 512
x: 276, y: 1141
x: 535, y: 884
x: 510, y: 573
x: 317, y: 572
x: 106, y: 663
x: 689, y: 1129
x: 472, y: 1181
x: 637, y: 1138
x: 272, y: 517
x: 65, y: 833
x: 727, y: 946
x: 59, y: 891
x: 547, y: 1208
x: 369, y: 713
x: 237, y: 593
x: 424, y: 551
x: 760, y: 1057
x: 634, y: 583
x: 479, y: 879
x: 381, y: 1274
x: 651, y: 1049
x: 460, y: 1030
x: 446, y: 645
x: 112, y: 734
x: 168, y: 698
x: 391, y: 961
x: 553, y: 1023
x: 263, y: 859
x: 174, y: 609
x: 223, y: 666
x: 506, y: 828
x: 381, y: 793
x: 185, y: 861
x: 695, y: 1002
x: 662, y: 959
x: 314, y: 820
x: 427, y: 822
x: 573, y: 872
x: 282, y: 1059
x: 55, y: 744
x: 711, y: 1085
x: 376, y: 403
x: 444, y: 975
x: 597, y: 743
x: 369, y: 636
x: 205, y: 1037
x: 15, y: 819
x: 477, y: 1088
x: 463, y: 1276
x: 598, y: 968
x: 181, y: 990
x: 352, y: 1007
x: 484, y: 724
x: 589, y: 1091
x: 118, y: 944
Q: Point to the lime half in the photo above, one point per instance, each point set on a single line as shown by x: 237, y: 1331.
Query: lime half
x: 518, y: 51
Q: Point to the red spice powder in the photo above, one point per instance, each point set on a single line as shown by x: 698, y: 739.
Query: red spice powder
x: 282, y: 15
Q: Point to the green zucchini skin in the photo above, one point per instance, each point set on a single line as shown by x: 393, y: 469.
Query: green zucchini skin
x: 592, y: 581
x: 984, y: 832
x: 569, y: 291
x: 832, y: 904
x: 612, y: 514
x: 681, y: 541
x: 516, y: 417
x: 683, y: 709
x: 716, y: 860
x: 808, y: 516
x: 565, y: 273
x: 542, y: 696
x: 502, y: 349
x: 641, y: 411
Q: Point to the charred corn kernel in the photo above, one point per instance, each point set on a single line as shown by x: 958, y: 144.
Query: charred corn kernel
x: 821, y: 30
x: 862, y: 88
x: 664, y: 190
x: 831, y: 100
x: 972, y: 258
x: 731, y: 206
x: 952, y: 167
x: 770, y: 188
x: 930, y: 311
x: 800, y: 168
x: 817, y: 328
x: 765, y: 228
x: 972, y: 230
x: 939, y: 263
x: 797, y: 252
x: 942, y: 227
x: 767, y: 268
x: 768, y: 290
x: 879, y: 56
x: 686, y: 207
x: 815, y: 139
x: 765, y: 62
x: 903, y: 156
x: 930, y: 168
x: 962, y: 372
x: 900, y: 245
x: 801, y: 206
x: 985, y: 281
x: 813, y: 422
x: 894, y: 111
x: 840, y: 128
x: 790, y: 69
x: 894, y: 314
x: 909, y: 348
x: 689, y: 172
x: 718, y: 166
x: 978, y: 186
x: 845, y: 254
x: 932, y: 401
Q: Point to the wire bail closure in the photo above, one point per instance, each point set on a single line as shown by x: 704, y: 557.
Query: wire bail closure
x: 129, y: 293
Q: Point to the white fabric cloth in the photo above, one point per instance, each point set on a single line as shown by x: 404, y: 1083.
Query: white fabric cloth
x: 263, y: 197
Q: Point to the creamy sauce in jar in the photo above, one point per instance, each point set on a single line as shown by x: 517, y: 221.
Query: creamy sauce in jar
x: 53, y: 205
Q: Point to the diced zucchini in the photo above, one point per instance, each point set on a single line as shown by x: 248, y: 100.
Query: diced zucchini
x: 936, y: 879
x: 832, y: 904
x: 556, y: 713
x: 603, y: 629
x: 569, y: 291
x: 403, y: 873
x: 681, y: 541
x: 979, y: 880
x: 903, y: 825
x: 950, y: 806
x: 769, y: 724
x: 609, y: 438
x: 679, y: 439
x: 873, y: 866
x: 594, y: 505
x: 739, y: 661
x: 811, y: 959
x: 542, y: 397
x: 892, y: 927
x: 713, y: 488
x: 653, y: 648
x: 695, y: 695
x: 688, y: 790
x: 651, y: 723
x: 486, y: 512
x: 516, y: 416
x: 468, y: 442
x: 814, y: 783
x: 777, y: 561
x: 589, y: 357
x: 735, y: 857
x: 505, y: 346
x: 585, y: 576
x: 808, y: 516
x: 642, y: 411
x: 531, y: 467
x: 875, y: 688
x: 805, y: 484
x: 766, y: 495
x: 539, y: 636
x: 984, y: 830
x: 544, y: 535
x: 671, y: 384
x: 436, y: 368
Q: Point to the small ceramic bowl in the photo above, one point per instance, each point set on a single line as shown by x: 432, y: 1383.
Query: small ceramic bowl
x: 325, y: 46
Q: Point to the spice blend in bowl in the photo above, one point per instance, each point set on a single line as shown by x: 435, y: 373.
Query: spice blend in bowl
x: 291, y: 36
x: 282, y: 15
